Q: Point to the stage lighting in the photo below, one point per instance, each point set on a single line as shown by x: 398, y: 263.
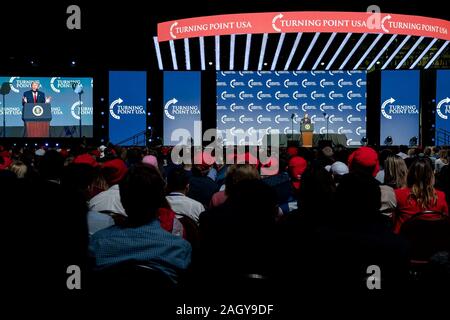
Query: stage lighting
x: 210, y: 63
x: 265, y: 63
x: 149, y: 99
x: 57, y: 144
x: 149, y: 113
x: 26, y: 144
x: 35, y: 144
x: 102, y: 140
x: 102, y: 113
x: 413, y: 142
x: 74, y: 63
x: 103, y: 127
x: 150, y: 140
x: 46, y: 144
x: 102, y: 99
x: 322, y: 63
x: 14, y: 144
x: 388, y: 141
x: 149, y: 128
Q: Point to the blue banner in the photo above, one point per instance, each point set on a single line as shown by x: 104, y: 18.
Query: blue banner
x: 400, y: 107
x: 127, y: 107
x: 65, y: 105
x: 182, y: 107
x: 442, y: 106
x: 274, y: 102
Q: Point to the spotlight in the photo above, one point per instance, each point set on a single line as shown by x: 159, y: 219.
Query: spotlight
x: 35, y: 144
x: 388, y: 141
x: 322, y: 63
x: 150, y: 140
x: 102, y: 99
x: 57, y: 144
x: 149, y: 113
x: 14, y: 144
x: 26, y: 144
x: 413, y: 142
x: 149, y: 99
x: 103, y: 127
x: 210, y: 63
x: 378, y: 62
x: 46, y: 144
x: 74, y: 62
x: 265, y: 63
x: 102, y: 113
x: 149, y: 128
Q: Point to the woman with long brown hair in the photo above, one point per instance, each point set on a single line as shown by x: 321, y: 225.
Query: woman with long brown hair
x: 419, y: 194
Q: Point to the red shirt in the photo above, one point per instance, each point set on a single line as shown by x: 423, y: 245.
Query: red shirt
x: 407, y: 207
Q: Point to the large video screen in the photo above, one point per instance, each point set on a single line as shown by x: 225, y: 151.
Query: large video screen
x: 400, y: 107
x: 56, y: 94
x: 442, y: 107
x: 275, y: 101
x: 127, y: 107
x: 182, y: 107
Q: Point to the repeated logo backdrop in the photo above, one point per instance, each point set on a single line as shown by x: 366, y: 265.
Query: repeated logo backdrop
x: 442, y: 102
x: 275, y: 101
x: 64, y: 102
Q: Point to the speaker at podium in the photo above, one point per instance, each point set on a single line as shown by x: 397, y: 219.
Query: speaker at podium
x: 306, y: 135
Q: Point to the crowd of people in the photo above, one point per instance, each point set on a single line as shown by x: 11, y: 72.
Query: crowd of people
x: 319, y: 221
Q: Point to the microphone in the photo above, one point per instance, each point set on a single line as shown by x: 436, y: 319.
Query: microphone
x: 293, y: 116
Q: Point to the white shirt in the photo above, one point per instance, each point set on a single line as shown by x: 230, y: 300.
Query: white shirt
x: 183, y: 205
x: 108, y: 200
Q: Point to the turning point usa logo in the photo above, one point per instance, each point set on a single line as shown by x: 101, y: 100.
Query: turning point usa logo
x: 443, y: 108
x: 388, y: 108
x: 172, y: 109
x: 117, y: 109
x: 56, y: 84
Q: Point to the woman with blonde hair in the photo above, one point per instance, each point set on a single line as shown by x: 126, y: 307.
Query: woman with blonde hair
x: 19, y: 168
x: 442, y: 161
x: 419, y: 194
x: 395, y: 172
x: 235, y: 174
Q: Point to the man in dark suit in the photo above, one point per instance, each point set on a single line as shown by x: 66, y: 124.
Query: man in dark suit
x: 306, y: 119
x: 34, y: 95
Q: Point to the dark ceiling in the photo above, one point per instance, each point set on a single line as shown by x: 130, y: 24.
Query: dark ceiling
x: 118, y: 35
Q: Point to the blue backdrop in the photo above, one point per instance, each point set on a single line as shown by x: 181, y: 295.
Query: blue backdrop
x: 266, y: 100
x: 65, y: 105
x: 400, y: 107
x: 442, y: 103
x: 182, y: 105
x: 127, y: 107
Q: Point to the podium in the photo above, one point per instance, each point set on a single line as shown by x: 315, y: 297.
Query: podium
x: 307, y: 130
x: 37, y: 117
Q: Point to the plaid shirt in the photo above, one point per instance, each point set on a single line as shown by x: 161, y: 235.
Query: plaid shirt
x: 148, y: 244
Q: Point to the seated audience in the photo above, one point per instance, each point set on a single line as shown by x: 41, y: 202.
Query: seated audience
x: 108, y: 201
x: 235, y: 174
x: 178, y: 186
x: 141, y: 238
x: 419, y: 194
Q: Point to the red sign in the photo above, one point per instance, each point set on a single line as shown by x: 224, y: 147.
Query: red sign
x: 308, y: 21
